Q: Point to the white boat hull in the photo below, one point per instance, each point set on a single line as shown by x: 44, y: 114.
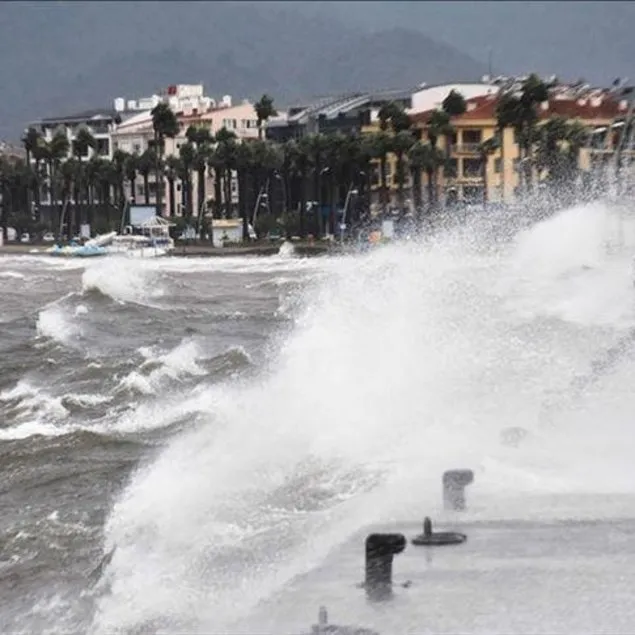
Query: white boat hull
x: 138, y: 252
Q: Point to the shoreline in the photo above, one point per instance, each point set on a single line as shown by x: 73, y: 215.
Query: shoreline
x: 193, y: 251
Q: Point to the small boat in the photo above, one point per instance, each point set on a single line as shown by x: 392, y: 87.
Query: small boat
x: 77, y: 251
x: 152, y: 240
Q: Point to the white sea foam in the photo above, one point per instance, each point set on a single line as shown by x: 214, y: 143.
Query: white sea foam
x: 124, y: 280
x: 402, y: 363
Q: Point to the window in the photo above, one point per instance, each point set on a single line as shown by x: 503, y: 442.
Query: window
x: 75, y: 150
x: 140, y: 190
x: 102, y: 147
x: 498, y: 166
x: 472, y: 168
x: 451, y: 169
x: 472, y: 136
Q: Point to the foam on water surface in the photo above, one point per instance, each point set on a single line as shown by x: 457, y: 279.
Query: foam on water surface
x: 399, y: 364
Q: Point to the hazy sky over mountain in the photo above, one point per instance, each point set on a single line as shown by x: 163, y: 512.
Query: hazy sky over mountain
x: 594, y: 40
x: 60, y: 57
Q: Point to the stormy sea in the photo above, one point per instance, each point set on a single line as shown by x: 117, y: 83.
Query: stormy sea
x: 199, y: 445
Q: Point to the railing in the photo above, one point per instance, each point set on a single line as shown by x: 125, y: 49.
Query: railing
x: 465, y: 176
x: 472, y: 174
x: 465, y: 148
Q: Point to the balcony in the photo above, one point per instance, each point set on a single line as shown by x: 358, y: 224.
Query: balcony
x: 464, y: 148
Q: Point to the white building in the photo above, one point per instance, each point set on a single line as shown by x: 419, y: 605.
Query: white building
x: 134, y: 134
x: 431, y: 97
x: 179, y: 97
x: 99, y: 122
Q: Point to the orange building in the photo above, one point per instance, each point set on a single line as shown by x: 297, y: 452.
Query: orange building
x: 465, y: 177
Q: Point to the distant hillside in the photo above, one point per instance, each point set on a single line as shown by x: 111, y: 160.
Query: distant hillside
x: 63, y: 56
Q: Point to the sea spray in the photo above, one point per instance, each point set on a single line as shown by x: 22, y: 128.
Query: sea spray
x: 402, y: 363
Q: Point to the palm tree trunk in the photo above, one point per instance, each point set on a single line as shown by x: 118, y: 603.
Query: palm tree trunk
x: 430, y: 175
x: 484, y: 177
x: 172, y: 196
x: 242, y: 203
x: 302, y: 211
x: 400, y: 180
x: 384, y: 186
x: 158, y: 177
x: 228, y: 193
x: 218, y: 193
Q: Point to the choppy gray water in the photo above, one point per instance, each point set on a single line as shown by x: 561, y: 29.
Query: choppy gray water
x: 97, y: 363
x: 227, y: 424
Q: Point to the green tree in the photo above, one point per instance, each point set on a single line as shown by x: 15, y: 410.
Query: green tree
x: 425, y: 157
x: 485, y: 150
x: 173, y: 167
x: 53, y: 153
x: 145, y: 164
x: 264, y: 111
x: 164, y: 124
x: 187, y: 154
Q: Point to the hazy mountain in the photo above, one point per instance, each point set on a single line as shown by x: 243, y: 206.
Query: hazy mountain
x: 62, y: 56
x: 593, y: 40
x: 70, y: 55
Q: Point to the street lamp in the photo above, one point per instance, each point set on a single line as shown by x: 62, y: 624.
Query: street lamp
x: 259, y: 201
x: 350, y: 193
x: 280, y: 178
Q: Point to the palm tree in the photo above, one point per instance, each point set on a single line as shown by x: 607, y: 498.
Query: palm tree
x: 53, y: 153
x: 202, y: 140
x: 381, y: 144
x: 130, y: 166
x: 34, y: 146
x: 225, y: 160
x: 401, y: 143
x: 300, y: 165
x: 316, y: 145
x: 244, y: 169
x: 487, y: 148
x: 173, y: 167
x: 454, y: 104
x: 146, y: 162
x: 264, y: 110
x: 519, y: 111
x: 93, y: 175
x: 82, y: 143
x: 118, y: 162
x: 558, y: 150
x: 187, y: 154
x: 439, y: 125
x: 165, y: 124
x: 69, y: 176
x: 425, y: 157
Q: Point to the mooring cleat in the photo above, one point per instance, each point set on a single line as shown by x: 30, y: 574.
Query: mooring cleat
x: 431, y: 538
